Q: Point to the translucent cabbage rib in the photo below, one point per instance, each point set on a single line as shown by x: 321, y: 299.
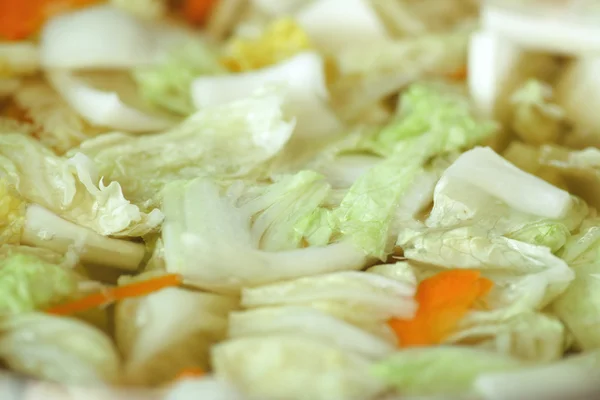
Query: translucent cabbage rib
x: 169, y: 331
x: 53, y: 121
x: 33, y: 225
x: 274, y: 366
x: 366, y: 301
x: 227, y: 141
x: 58, y: 349
x: 208, y: 240
x: 332, y: 30
x: 167, y: 83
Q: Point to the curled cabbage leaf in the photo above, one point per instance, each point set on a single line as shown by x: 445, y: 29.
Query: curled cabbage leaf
x: 71, y: 188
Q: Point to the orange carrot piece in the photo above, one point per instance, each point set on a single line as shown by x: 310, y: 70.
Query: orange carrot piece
x: 108, y: 296
x: 190, y: 373
x: 20, y: 19
x: 197, y: 11
x: 444, y: 299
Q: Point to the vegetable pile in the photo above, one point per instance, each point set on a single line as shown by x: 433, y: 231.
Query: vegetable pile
x: 301, y: 199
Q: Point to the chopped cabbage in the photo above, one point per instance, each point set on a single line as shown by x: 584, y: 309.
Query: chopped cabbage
x: 379, y: 297
x: 167, y: 84
x: 445, y: 369
x: 29, y: 283
x: 335, y: 24
x: 59, y: 349
x: 71, y: 188
x: 302, y: 80
x: 282, y: 39
x: 192, y: 211
x: 432, y: 122
x: 273, y: 366
x: 230, y: 140
x: 105, y: 107
x: 309, y: 323
x: 168, y: 331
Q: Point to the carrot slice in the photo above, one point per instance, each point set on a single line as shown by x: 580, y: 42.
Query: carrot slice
x: 20, y: 19
x: 197, y: 11
x: 190, y: 373
x: 444, y: 299
x: 108, y: 296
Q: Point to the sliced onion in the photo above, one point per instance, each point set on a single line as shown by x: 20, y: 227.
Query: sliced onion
x: 103, y: 108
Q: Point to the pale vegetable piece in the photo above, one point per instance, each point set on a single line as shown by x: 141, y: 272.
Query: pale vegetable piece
x: 536, y: 118
x: 434, y: 120
x: 493, y: 62
x: 204, y: 388
x: 309, y: 323
x: 575, y: 377
x: 226, y: 260
x: 104, y: 108
x: 54, y: 122
x: 401, y: 271
x: 97, y: 37
x: 149, y: 9
x: 529, y: 336
x: 228, y: 141
x: 335, y: 24
x: 444, y: 369
x: 279, y: 367
x: 29, y: 283
x: 579, y: 305
x: 19, y: 58
x: 485, y: 169
x: 383, y: 297
x: 302, y: 80
x: 438, y: 54
x: 281, y: 39
x: 279, y: 210
x: 71, y: 188
x: 578, y: 92
x: 167, y: 83
x: 44, y: 229
x: 168, y: 331
x: 58, y: 349
x: 36, y: 226
x: 281, y: 7
x: 548, y: 30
